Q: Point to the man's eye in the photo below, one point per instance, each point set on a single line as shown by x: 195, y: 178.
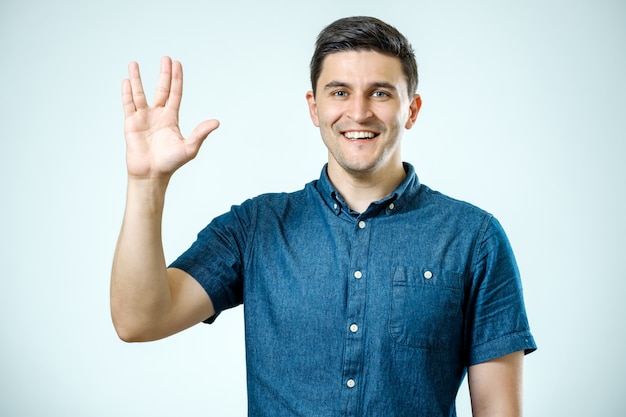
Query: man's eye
x: 340, y: 93
x: 380, y: 94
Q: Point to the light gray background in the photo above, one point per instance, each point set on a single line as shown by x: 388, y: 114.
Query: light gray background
x: 523, y: 115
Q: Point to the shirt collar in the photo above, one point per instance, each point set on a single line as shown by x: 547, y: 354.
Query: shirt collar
x: 406, y: 191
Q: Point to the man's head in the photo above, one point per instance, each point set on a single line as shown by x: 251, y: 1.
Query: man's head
x: 364, y: 79
x: 362, y: 33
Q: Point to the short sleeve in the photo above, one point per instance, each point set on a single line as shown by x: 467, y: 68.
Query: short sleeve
x: 215, y: 259
x: 496, y: 320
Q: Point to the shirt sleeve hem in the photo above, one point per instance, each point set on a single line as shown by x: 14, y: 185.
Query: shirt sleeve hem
x: 214, y: 290
x: 510, y: 343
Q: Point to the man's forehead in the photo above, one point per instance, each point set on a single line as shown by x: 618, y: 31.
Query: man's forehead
x: 361, y: 55
x: 361, y: 66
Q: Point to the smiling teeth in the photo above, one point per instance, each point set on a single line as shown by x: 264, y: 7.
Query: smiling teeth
x: 359, y: 135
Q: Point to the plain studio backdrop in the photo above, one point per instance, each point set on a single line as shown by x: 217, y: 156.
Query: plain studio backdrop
x: 524, y: 115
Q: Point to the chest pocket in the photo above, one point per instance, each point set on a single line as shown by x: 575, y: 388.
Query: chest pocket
x: 426, y: 308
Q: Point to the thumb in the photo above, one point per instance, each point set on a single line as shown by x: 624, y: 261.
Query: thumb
x: 200, y: 133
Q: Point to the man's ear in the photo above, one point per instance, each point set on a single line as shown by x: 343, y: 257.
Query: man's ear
x: 310, y: 99
x: 414, y: 109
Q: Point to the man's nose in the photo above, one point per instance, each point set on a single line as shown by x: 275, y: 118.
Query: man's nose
x: 359, y: 109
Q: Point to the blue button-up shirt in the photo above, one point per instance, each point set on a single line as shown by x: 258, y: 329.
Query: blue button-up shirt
x: 362, y: 314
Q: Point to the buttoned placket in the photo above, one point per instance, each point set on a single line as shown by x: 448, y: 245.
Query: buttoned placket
x: 355, y: 313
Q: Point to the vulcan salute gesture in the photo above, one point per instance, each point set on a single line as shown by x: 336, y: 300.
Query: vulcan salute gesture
x: 155, y: 145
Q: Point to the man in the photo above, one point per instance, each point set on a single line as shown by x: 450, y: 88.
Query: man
x: 366, y: 293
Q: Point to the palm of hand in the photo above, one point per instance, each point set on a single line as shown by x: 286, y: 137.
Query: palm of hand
x: 154, y: 144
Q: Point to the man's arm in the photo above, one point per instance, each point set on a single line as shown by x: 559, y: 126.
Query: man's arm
x: 496, y: 386
x: 149, y: 301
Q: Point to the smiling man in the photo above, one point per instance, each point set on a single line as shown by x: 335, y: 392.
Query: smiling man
x: 366, y: 293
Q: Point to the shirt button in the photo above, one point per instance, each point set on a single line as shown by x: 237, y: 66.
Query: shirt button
x: 358, y: 274
x: 354, y: 328
x: 350, y: 383
x: 335, y: 206
x: 362, y: 224
x: 428, y: 275
x: 392, y: 206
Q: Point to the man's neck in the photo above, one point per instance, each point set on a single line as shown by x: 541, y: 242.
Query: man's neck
x: 361, y: 189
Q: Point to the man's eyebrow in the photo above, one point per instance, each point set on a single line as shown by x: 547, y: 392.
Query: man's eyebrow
x: 378, y: 84
x: 335, y: 84
x: 384, y: 84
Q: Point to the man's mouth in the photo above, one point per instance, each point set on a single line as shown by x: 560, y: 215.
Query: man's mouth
x: 359, y: 135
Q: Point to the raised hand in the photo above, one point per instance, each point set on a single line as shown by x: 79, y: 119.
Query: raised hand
x: 155, y: 147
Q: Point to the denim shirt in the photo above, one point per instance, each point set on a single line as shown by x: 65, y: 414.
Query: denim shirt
x: 362, y: 314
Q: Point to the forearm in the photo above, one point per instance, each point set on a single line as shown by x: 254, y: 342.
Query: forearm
x: 496, y: 386
x: 140, y: 290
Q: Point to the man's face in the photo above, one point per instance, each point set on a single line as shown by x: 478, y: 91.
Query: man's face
x: 362, y: 108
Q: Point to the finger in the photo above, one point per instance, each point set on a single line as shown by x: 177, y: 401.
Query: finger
x: 176, y: 87
x: 199, y: 134
x: 139, y: 97
x: 163, y: 85
x: 127, y: 98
